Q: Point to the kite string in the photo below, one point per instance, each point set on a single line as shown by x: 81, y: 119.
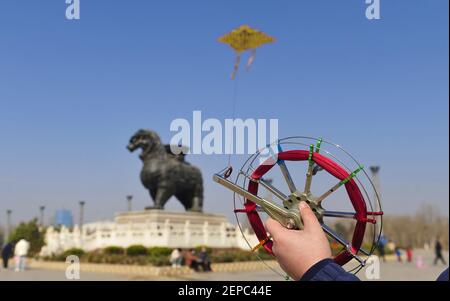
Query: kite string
x: 235, y: 96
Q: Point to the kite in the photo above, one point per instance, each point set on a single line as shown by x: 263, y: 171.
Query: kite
x: 242, y: 39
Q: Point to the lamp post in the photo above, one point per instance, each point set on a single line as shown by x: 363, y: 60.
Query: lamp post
x: 8, y: 225
x: 129, y: 202
x: 82, y: 203
x: 41, y: 211
x: 376, y: 183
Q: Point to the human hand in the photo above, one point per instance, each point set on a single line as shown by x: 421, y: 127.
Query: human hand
x: 298, y: 250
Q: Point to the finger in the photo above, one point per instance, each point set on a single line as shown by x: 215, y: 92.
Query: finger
x: 274, y: 227
x: 309, y: 219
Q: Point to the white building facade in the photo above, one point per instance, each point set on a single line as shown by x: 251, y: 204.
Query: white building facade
x: 151, y: 228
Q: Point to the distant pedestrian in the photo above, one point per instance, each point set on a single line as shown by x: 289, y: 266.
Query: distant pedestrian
x: 7, y: 253
x: 391, y: 246
x: 381, y: 248
x: 438, y: 252
x: 398, y: 253
x: 176, y: 258
x: 419, y: 262
x: 191, y: 260
x: 20, y: 253
x: 204, y: 260
x: 409, y: 254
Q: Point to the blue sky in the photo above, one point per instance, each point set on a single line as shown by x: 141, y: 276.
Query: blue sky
x: 73, y: 92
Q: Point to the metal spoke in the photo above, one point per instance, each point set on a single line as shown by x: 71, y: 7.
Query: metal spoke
x: 335, y: 236
x: 273, y: 189
x: 326, y: 194
x: 341, y: 240
x: 336, y: 187
x: 339, y: 214
x: 287, y: 176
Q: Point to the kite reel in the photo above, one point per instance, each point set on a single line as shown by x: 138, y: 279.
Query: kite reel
x: 343, y: 197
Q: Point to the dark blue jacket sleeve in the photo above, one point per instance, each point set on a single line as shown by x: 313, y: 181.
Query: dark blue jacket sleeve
x: 443, y: 276
x: 328, y: 270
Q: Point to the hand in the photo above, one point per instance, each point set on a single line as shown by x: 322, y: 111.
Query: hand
x: 298, y: 250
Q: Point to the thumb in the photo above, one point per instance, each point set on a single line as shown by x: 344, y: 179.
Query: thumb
x: 309, y: 219
x: 274, y: 228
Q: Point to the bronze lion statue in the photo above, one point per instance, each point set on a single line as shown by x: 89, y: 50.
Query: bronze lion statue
x: 166, y: 174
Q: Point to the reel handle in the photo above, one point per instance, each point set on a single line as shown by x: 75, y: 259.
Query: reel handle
x: 288, y: 218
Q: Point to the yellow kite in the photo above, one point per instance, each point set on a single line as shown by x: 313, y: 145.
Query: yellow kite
x: 242, y: 39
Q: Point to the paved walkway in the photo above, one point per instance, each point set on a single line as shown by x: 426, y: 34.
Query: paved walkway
x: 391, y: 270
x: 50, y: 275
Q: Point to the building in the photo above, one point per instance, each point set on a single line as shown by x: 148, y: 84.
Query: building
x: 64, y: 218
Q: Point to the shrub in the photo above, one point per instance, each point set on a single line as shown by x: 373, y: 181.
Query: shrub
x: 159, y: 260
x: 159, y: 251
x: 113, y: 250
x: 136, y: 250
x: 74, y: 251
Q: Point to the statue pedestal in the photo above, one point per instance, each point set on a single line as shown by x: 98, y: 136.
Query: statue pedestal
x: 151, y: 228
x: 176, y: 229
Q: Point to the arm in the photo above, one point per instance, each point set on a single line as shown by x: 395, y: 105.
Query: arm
x: 305, y: 254
x: 327, y: 270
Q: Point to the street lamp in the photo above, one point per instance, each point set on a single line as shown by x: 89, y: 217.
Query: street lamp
x: 8, y: 225
x: 129, y: 202
x: 41, y: 209
x: 376, y: 183
x: 82, y: 203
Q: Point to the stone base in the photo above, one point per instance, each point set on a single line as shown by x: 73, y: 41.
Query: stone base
x: 150, y: 228
x: 163, y: 216
x: 158, y: 227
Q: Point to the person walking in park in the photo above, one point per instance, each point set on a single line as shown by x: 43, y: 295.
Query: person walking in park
x: 438, y: 252
x: 7, y: 253
x: 306, y: 254
x: 20, y: 253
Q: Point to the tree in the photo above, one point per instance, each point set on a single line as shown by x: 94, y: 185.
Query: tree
x: 29, y: 231
x: 2, y: 237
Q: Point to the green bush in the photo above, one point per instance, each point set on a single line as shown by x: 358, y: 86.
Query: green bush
x: 157, y: 256
x: 136, y: 250
x: 159, y: 251
x: 159, y: 260
x: 74, y: 251
x: 198, y: 249
x: 113, y: 250
x: 237, y: 255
